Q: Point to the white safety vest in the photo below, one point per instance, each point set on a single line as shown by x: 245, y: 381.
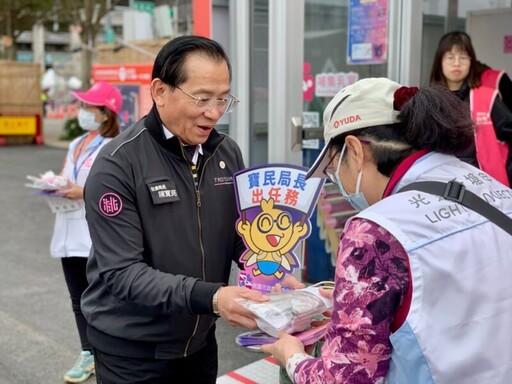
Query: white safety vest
x: 71, y: 234
x: 459, y: 326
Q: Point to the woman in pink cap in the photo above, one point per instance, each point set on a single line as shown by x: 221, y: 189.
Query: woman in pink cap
x: 71, y: 242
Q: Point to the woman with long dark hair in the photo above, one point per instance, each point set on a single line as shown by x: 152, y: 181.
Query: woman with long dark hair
x: 456, y: 67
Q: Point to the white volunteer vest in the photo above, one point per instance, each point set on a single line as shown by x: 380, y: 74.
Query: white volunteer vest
x: 459, y: 327
x: 71, y: 233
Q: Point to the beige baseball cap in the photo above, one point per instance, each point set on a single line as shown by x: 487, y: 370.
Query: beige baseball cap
x: 364, y: 104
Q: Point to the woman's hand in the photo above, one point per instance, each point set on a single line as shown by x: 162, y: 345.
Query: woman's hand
x: 327, y: 293
x: 290, y: 282
x: 282, y: 349
x: 72, y: 191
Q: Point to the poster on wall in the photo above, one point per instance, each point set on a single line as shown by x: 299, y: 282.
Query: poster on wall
x: 133, y: 81
x: 367, y: 32
x: 329, y: 84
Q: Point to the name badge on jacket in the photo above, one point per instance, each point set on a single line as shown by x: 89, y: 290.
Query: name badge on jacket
x: 162, y: 190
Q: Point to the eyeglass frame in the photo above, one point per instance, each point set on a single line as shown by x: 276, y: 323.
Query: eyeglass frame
x: 230, y: 106
x: 329, y: 171
x: 451, y: 59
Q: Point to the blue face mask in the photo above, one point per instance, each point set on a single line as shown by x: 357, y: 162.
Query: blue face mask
x: 357, y: 199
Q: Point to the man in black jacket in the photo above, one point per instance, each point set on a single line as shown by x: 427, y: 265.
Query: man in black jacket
x: 161, y: 212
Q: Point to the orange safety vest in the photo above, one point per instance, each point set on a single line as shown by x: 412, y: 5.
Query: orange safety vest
x: 491, y: 153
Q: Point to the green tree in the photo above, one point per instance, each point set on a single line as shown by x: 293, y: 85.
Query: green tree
x: 17, y: 16
x: 87, y: 14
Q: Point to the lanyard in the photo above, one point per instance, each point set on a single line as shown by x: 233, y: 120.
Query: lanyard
x: 84, y: 155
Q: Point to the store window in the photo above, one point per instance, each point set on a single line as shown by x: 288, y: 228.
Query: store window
x: 326, y: 65
x: 326, y: 60
x: 330, y: 28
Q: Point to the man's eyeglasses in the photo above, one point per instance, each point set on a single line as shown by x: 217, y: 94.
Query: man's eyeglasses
x: 462, y: 59
x: 224, y: 105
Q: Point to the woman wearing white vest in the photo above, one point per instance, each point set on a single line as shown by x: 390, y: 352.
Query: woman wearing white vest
x: 422, y: 291
x: 71, y: 242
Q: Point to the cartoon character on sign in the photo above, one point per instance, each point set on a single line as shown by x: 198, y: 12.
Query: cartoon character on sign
x: 270, y: 237
x: 275, y: 202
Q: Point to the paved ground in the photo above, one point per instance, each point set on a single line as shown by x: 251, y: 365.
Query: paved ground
x: 38, y: 340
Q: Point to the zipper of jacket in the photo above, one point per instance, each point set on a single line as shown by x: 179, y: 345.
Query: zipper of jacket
x: 198, y: 203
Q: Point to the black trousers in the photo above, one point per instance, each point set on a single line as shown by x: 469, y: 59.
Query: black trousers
x: 76, y: 280
x: 198, y: 368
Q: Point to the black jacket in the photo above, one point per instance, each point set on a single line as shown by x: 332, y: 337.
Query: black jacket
x: 505, y: 88
x: 161, y: 248
x: 502, y: 120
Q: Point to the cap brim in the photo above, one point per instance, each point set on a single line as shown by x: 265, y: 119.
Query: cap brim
x: 85, y: 98
x: 320, y: 164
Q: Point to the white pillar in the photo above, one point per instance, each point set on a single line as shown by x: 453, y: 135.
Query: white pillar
x: 286, y: 57
x: 405, y: 36
x: 38, y: 45
x: 240, y: 46
x: 285, y: 66
x: 75, y: 45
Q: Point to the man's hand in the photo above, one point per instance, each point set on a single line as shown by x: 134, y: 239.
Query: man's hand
x: 284, y: 348
x: 233, y: 312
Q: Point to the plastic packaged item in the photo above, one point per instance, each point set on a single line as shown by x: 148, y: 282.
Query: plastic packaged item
x: 290, y: 311
x: 253, y: 340
x: 48, y: 181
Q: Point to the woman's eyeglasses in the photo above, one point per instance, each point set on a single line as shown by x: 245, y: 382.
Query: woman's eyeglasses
x: 329, y: 170
x: 452, y: 59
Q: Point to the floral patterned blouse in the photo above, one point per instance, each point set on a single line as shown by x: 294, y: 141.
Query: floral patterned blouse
x: 371, y: 280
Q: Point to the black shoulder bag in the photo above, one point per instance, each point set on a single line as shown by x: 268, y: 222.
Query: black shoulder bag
x: 455, y: 191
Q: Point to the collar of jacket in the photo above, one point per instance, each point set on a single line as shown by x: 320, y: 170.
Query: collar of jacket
x: 463, y: 92
x: 154, y: 125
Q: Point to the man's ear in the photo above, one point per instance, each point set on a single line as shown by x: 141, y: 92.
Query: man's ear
x: 158, y: 91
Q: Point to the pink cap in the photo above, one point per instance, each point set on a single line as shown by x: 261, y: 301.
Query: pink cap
x: 102, y: 94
